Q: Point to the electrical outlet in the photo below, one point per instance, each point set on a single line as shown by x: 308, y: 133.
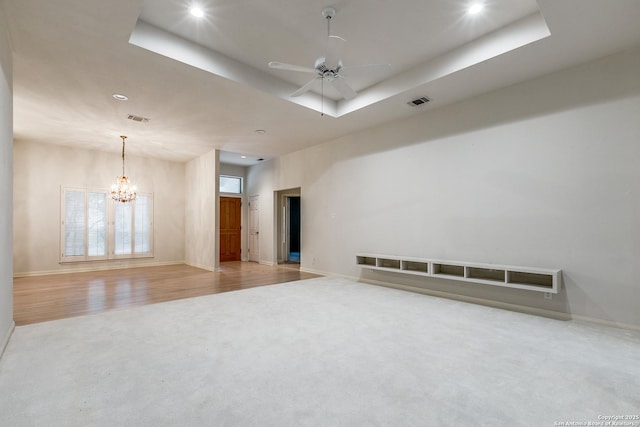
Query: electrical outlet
x: 548, y: 295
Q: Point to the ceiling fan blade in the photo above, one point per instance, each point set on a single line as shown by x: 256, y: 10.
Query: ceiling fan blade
x: 306, y: 87
x: 368, y: 69
x: 290, y: 67
x: 338, y: 38
x: 341, y: 85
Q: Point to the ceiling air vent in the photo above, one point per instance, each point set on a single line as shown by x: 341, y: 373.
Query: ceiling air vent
x: 419, y: 101
x: 138, y: 118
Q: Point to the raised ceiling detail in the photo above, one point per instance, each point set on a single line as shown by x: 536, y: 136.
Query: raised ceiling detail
x: 71, y: 56
x: 462, y: 42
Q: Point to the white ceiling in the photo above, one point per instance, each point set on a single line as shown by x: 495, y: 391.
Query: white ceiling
x: 205, y: 84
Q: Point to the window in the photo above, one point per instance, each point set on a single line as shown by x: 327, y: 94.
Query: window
x: 132, y: 227
x: 230, y: 184
x: 122, y: 228
x: 97, y: 224
x: 84, y: 225
x: 93, y: 228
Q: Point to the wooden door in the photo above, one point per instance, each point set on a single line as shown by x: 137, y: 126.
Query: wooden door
x: 254, y: 230
x: 230, y: 228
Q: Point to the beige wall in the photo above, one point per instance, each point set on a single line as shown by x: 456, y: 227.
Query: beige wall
x: 6, y: 185
x: 201, y: 211
x: 40, y: 171
x: 232, y: 170
x: 542, y: 174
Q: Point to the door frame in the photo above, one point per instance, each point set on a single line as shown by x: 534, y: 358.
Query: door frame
x: 238, y: 197
x: 281, y: 202
x: 255, y: 255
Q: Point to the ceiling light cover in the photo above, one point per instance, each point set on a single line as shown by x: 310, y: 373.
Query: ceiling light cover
x: 120, y: 97
x: 475, y: 8
x: 197, y: 12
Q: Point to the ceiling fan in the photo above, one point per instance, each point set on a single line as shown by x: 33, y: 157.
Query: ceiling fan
x: 334, y: 76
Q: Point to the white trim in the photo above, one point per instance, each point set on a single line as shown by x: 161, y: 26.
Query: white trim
x: 5, y: 341
x: 203, y: 267
x: 603, y: 322
x: 506, y: 306
x: 104, y: 265
x: 481, y: 301
x: 253, y: 214
x: 324, y: 273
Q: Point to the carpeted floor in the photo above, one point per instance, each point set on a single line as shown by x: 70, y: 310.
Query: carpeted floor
x: 319, y: 352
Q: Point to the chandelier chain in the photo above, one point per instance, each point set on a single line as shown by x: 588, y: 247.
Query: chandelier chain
x: 123, y: 142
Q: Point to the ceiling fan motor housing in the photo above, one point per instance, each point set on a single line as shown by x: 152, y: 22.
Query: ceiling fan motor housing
x: 329, y: 12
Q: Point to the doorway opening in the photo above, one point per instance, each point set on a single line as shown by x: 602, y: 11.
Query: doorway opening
x: 289, y: 250
x: 293, y: 229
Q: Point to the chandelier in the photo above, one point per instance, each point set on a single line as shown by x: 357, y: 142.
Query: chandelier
x: 123, y: 190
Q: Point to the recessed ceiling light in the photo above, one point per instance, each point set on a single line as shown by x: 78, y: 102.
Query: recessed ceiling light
x: 475, y: 8
x: 260, y: 131
x: 243, y: 157
x: 197, y: 12
x: 120, y: 97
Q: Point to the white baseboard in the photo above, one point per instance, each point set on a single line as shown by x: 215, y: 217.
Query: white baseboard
x: 5, y: 340
x: 481, y: 301
x: 506, y: 306
x: 94, y: 267
x: 324, y: 273
x: 269, y: 263
x: 604, y: 322
x: 203, y: 267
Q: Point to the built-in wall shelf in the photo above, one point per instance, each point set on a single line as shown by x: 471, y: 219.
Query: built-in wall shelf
x: 529, y: 278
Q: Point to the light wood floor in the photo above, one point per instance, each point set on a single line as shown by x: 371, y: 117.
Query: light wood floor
x: 41, y: 298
